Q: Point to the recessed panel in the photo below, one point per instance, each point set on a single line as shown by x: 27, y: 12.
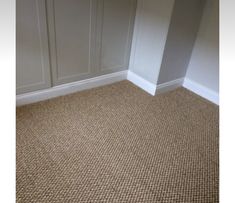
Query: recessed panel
x: 32, y: 63
x: 116, y: 31
x: 72, y: 27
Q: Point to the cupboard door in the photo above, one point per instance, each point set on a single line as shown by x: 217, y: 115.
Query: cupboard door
x: 116, y: 29
x: 32, y: 56
x: 72, y: 35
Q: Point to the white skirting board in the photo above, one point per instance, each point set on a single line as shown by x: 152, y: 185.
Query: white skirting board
x: 147, y: 86
x: 165, y: 87
x: 142, y: 83
x: 151, y: 88
x: 69, y: 88
x: 201, y: 90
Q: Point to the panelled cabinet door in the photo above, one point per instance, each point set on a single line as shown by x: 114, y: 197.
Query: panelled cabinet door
x: 72, y: 35
x: 89, y: 37
x: 32, y: 56
x: 116, y: 19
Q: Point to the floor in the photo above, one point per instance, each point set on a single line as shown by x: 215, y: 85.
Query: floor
x: 118, y: 144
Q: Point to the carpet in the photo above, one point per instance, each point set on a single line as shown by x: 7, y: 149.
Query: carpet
x: 118, y: 144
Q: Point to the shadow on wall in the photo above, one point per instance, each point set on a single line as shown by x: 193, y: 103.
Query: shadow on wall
x: 151, y: 27
x: 182, y: 34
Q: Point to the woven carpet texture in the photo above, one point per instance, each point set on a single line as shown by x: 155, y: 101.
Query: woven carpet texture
x: 118, y: 144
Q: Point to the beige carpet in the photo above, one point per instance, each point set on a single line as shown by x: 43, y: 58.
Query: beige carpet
x: 118, y: 144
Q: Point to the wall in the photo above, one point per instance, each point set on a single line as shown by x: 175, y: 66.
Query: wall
x: 204, y: 64
x: 150, y: 32
x: 182, y: 34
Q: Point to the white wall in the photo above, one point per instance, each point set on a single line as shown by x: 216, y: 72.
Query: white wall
x: 204, y: 64
x: 150, y: 33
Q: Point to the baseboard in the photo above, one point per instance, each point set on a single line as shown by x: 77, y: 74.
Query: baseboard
x: 165, y: 87
x: 142, y: 83
x: 69, y: 88
x: 201, y: 90
x: 147, y: 86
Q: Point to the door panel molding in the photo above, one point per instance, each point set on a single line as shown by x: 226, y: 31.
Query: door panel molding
x: 103, y: 17
x: 32, y: 70
x: 59, y: 56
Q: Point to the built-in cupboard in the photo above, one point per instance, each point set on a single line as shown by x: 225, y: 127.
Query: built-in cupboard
x: 62, y: 41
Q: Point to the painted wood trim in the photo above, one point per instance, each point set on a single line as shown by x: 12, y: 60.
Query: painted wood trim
x: 168, y: 86
x: 201, y: 90
x: 141, y: 82
x: 69, y: 88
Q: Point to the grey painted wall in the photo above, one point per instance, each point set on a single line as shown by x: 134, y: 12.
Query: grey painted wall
x: 182, y: 34
x: 204, y: 64
x: 150, y: 32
